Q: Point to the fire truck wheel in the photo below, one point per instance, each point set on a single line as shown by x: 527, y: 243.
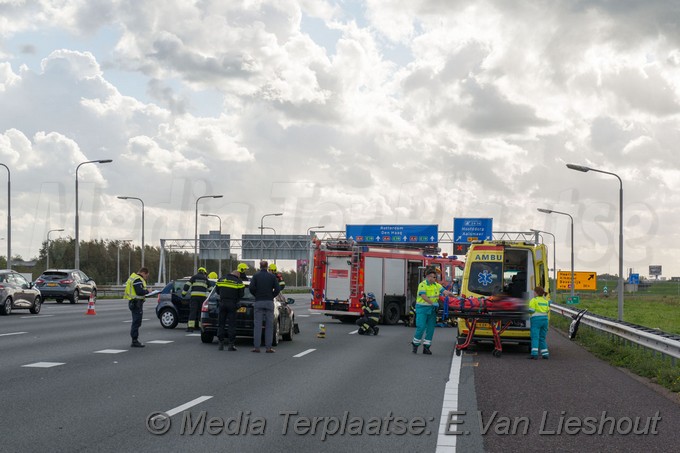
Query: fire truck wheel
x: 391, y: 315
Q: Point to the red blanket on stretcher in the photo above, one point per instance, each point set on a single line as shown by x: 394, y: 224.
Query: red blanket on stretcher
x: 498, y: 303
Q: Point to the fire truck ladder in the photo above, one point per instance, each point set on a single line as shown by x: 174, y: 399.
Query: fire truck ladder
x: 354, y: 273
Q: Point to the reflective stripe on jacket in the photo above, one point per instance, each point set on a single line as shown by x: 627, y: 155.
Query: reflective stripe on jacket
x: 230, y: 287
x: 432, y: 291
x: 539, y: 306
x: 130, y: 290
x: 372, y: 310
x: 197, y: 285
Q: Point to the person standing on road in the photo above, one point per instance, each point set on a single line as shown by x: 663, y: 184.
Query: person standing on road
x: 231, y: 290
x: 242, y: 268
x: 197, y: 287
x: 539, y: 307
x: 427, y: 305
x: 279, y: 277
x: 265, y: 287
x: 135, y: 292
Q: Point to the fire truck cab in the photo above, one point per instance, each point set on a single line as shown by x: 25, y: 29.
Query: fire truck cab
x: 511, y: 268
x: 343, y: 271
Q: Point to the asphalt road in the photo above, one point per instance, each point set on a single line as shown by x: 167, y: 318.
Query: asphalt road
x: 342, y: 393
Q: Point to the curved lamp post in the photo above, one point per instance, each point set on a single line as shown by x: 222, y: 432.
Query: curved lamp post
x: 262, y: 228
x: 196, y: 230
x: 77, y: 251
x: 47, y: 261
x: 587, y: 169
x: 550, y: 211
x: 141, y: 201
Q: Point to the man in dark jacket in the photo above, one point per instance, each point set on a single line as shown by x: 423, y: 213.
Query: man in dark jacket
x: 231, y: 290
x: 265, y: 287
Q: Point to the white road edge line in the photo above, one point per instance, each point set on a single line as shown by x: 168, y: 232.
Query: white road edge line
x: 304, y: 352
x: 447, y: 443
x: 354, y: 331
x: 185, y: 406
x: 11, y: 333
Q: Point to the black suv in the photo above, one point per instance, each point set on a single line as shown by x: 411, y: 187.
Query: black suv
x: 60, y: 284
x: 284, y: 317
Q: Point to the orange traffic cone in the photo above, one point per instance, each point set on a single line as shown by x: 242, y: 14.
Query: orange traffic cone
x: 90, y: 306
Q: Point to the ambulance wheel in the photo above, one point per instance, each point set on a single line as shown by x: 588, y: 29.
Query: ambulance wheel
x: 458, y: 352
x: 496, y: 353
x: 391, y: 315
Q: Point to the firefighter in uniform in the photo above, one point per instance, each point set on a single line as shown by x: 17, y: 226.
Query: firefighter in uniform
x: 539, y: 307
x: 427, y: 305
x: 279, y: 277
x: 135, y: 290
x: 231, y: 290
x: 242, y: 268
x: 197, y: 287
x: 371, y: 315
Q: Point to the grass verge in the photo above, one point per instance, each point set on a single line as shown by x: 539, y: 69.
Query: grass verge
x: 656, y: 367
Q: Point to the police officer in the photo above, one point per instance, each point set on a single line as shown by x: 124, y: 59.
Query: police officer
x: 197, y: 287
x: 427, y: 305
x: 371, y: 316
x: 539, y: 307
x: 231, y: 290
x: 135, y: 290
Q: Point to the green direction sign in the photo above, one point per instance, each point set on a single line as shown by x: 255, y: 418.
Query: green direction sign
x: 573, y: 300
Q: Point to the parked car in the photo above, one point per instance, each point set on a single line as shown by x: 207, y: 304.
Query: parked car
x: 60, y: 284
x: 172, y: 308
x: 284, y: 317
x: 16, y: 293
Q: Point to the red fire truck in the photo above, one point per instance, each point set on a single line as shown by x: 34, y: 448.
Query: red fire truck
x: 343, y: 271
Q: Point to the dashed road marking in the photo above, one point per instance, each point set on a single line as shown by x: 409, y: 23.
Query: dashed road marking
x: 186, y: 406
x: 11, y: 333
x: 304, y: 352
x: 43, y: 364
x: 354, y: 331
x: 110, y: 351
x: 159, y: 342
x: 35, y: 316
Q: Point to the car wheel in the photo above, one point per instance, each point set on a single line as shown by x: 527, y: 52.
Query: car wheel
x: 37, y: 305
x: 391, y: 314
x: 207, y: 337
x: 75, y: 297
x: 169, y: 318
x: 289, y: 336
x: 6, y: 307
x: 275, y: 339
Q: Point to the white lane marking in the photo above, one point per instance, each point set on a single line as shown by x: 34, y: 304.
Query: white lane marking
x: 11, y: 333
x: 303, y: 316
x: 159, y: 342
x: 304, y: 352
x: 110, y: 351
x: 193, y: 335
x: 315, y: 313
x: 130, y: 320
x: 185, y: 406
x: 354, y: 331
x: 43, y: 364
x: 35, y: 316
x: 447, y: 443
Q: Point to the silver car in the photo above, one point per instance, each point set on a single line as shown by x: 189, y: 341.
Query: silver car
x: 17, y: 292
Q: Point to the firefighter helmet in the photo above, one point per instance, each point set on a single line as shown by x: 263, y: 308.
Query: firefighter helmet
x: 370, y: 296
x: 212, y: 275
x: 272, y: 267
x: 202, y: 270
x: 242, y: 267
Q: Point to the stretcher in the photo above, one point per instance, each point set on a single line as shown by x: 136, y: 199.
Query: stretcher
x: 499, y: 312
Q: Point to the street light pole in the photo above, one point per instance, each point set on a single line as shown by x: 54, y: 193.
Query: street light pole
x: 311, y: 256
x: 550, y: 211
x: 219, y: 257
x: 270, y: 228
x: 554, y: 291
x: 262, y: 228
x: 77, y: 248
x: 196, y: 230
x: 586, y: 169
x: 9, y: 218
x: 141, y: 201
x: 47, y: 261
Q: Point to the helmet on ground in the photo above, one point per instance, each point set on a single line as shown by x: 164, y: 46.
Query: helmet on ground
x: 212, y: 275
x: 203, y: 270
x: 272, y: 267
x: 370, y: 296
x: 242, y: 267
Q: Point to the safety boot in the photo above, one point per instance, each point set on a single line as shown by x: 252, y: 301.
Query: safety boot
x: 231, y: 347
x: 375, y: 331
x: 426, y: 350
x: 415, y: 348
x: 221, y: 346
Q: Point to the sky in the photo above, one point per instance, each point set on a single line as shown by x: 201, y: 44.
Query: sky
x: 344, y: 112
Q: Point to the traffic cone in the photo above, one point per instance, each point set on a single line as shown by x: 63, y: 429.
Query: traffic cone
x: 322, y: 331
x: 90, y: 306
